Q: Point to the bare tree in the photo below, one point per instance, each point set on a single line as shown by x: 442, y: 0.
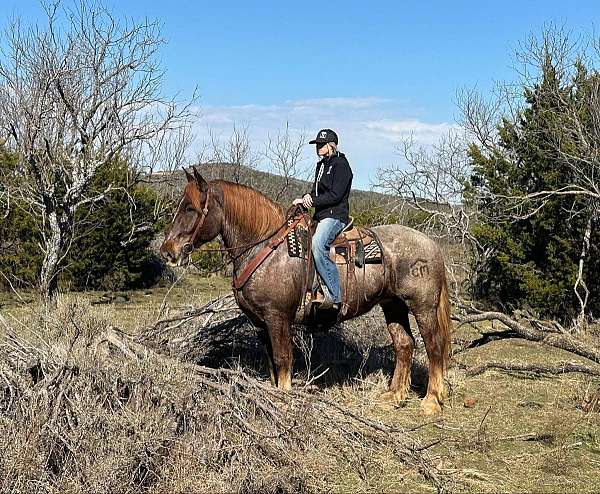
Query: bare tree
x: 162, y: 167
x: 430, y: 185
x: 284, y: 153
x: 77, y: 92
x: 235, y: 152
x: 579, y: 120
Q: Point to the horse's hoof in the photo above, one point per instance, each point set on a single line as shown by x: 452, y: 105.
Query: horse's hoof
x: 394, y: 397
x: 430, y: 406
x: 284, y: 384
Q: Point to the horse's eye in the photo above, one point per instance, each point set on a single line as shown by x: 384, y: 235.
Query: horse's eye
x: 190, y: 209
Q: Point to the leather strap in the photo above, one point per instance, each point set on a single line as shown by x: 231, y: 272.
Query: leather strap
x: 192, y: 242
x: 240, y: 280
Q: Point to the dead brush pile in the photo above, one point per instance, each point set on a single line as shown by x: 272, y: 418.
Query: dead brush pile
x: 85, y: 408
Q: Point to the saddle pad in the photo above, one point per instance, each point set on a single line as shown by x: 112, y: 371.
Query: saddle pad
x: 373, y: 253
x: 297, y: 241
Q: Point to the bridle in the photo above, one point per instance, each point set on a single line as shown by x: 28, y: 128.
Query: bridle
x: 239, y: 280
x: 188, y: 247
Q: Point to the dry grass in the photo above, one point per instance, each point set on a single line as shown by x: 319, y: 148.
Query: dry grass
x: 85, y: 407
x: 78, y: 415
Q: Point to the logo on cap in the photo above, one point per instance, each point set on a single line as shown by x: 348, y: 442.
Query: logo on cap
x: 322, y: 134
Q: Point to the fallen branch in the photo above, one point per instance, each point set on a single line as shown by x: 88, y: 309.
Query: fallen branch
x: 556, y: 338
x: 559, y: 369
x: 109, y: 390
x: 462, y: 345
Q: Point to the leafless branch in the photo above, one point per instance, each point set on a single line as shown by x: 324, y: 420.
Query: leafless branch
x: 284, y: 153
x: 235, y: 152
x: 77, y: 93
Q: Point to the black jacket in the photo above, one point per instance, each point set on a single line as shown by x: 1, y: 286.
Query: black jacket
x: 333, y: 180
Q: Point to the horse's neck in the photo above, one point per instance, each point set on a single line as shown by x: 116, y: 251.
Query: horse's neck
x: 240, y: 238
x: 233, y: 236
x: 240, y: 246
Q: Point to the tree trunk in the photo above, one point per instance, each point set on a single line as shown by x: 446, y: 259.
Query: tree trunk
x: 52, y: 254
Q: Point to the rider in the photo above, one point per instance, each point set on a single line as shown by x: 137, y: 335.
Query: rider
x: 329, y: 196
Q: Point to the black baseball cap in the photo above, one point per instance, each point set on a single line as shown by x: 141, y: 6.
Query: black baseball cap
x: 325, y: 135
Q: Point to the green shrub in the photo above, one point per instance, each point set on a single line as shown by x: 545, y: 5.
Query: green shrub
x: 107, y: 253
x: 534, y: 259
x: 20, y: 255
x: 112, y: 250
x: 207, y: 261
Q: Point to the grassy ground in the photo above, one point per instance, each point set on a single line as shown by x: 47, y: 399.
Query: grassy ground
x: 500, y: 431
x: 133, y: 309
x: 508, y: 433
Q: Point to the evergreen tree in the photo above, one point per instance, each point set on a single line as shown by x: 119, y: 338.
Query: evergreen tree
x: 112, y: 248
x: 20, y: 255
x: 534, y: 258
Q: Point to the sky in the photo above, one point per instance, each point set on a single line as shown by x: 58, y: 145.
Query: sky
x: 374, y: 72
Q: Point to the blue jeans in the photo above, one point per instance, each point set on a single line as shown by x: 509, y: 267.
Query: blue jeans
x: 327, y: 230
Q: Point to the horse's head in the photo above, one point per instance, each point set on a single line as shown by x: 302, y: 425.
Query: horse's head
x: 196, y: 221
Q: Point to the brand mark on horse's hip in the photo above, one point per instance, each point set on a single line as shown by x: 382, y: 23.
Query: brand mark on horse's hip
x: 419, y: 268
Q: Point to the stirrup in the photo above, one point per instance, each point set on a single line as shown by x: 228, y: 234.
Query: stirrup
x: 326, y: 303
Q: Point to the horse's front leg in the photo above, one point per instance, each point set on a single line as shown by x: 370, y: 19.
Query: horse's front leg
x: 279, y: 329
x: 263, y: 336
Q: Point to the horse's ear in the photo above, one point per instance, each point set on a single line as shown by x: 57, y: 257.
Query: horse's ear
x: 202, y: 184
x: 188, y: 175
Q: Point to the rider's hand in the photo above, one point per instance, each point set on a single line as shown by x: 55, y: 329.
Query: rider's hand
x: 297, y: 201
x: 307, y: 201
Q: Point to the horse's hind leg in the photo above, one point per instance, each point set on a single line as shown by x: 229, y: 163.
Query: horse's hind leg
x: 396, y: 317
x: 435, y: 344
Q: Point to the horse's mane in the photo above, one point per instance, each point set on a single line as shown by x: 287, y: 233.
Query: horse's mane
x: 253, y: 212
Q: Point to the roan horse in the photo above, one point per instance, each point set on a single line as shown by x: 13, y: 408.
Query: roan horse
x: 414, y: 279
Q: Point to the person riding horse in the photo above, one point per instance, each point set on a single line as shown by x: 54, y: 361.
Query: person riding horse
x: 268, y: 284
x: 329, y: 197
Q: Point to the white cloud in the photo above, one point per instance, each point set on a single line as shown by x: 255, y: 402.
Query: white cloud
x: 368, y: 127
x: 366, y: 102
x: 422, y: 132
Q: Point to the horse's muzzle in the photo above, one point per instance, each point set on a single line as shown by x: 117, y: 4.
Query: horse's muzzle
x: 168, y: 254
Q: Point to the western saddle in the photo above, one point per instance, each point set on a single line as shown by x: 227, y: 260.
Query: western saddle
x: 354, y: 247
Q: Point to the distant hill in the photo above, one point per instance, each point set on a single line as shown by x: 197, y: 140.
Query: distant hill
x: 273, y: 186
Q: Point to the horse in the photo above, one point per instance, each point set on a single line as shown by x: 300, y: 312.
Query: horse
x: 412, y: 279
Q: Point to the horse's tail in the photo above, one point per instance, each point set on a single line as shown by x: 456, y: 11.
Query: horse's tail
x: 444, y: 322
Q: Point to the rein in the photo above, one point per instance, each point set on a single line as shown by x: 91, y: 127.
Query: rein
x: 189, y: 246
x: 240, y: 280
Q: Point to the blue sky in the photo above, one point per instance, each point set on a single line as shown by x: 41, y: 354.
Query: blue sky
x: 374, y: 72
